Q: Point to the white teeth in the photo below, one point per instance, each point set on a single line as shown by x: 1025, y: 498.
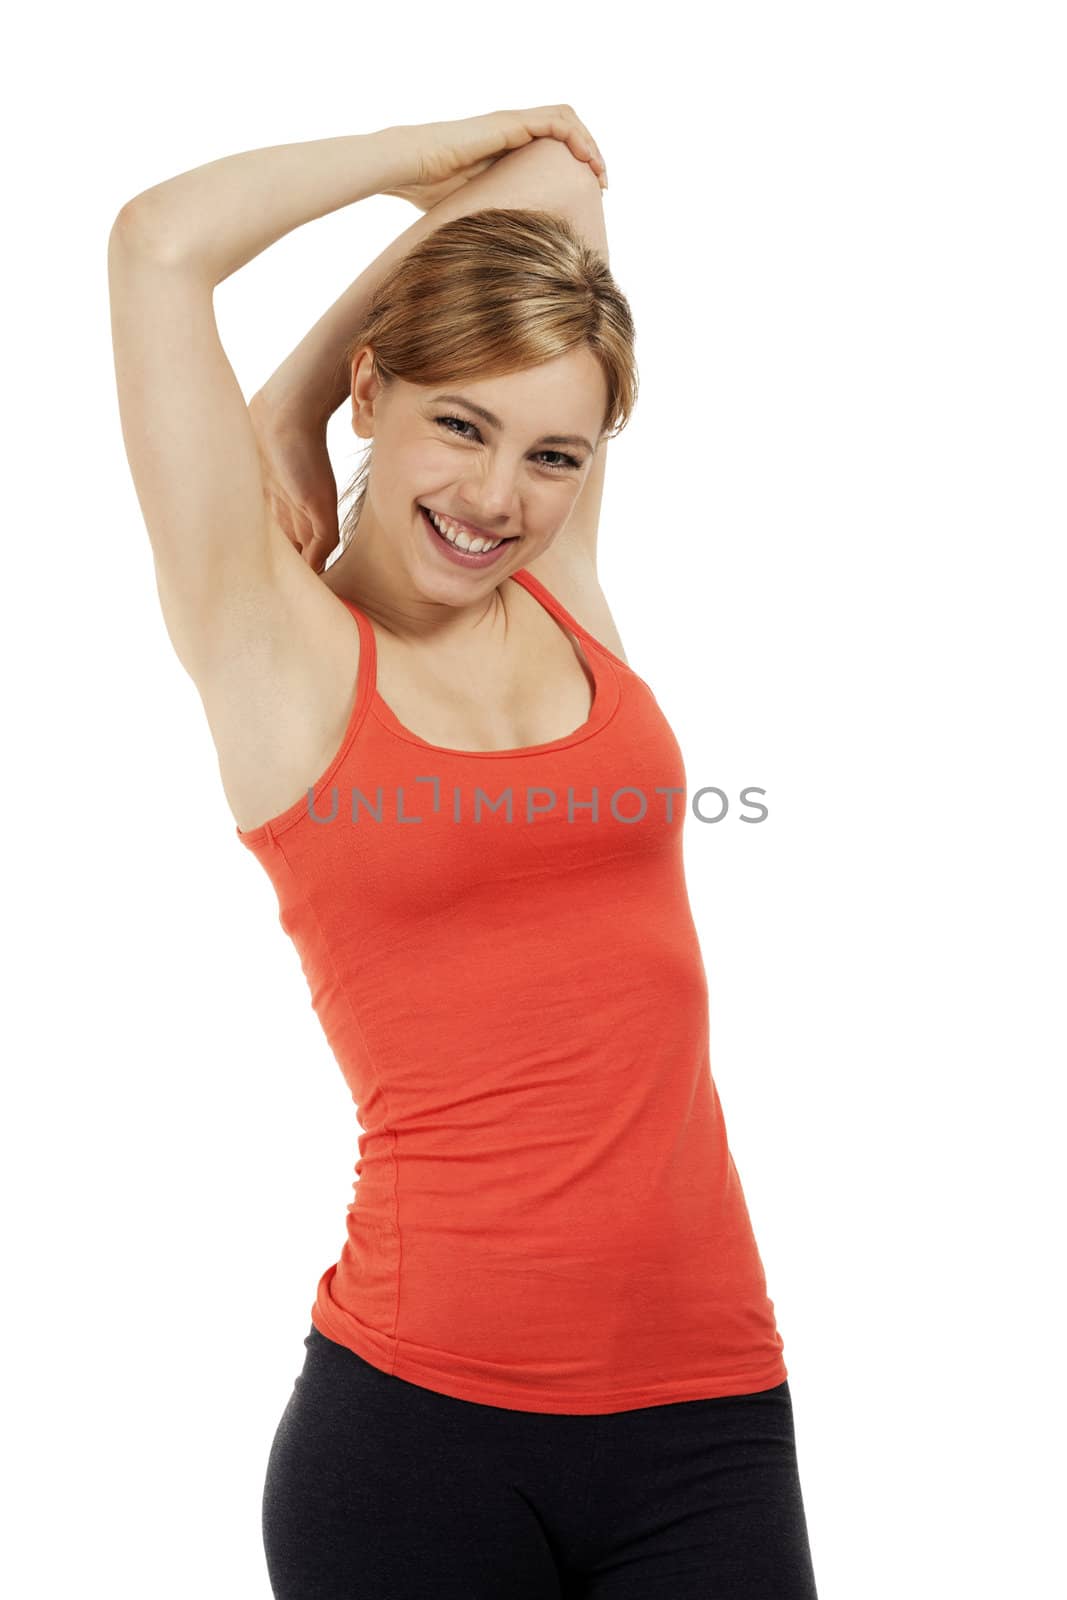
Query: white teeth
x: 457, y: 536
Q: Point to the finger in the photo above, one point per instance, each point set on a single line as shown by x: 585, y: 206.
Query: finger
x: 588, y: 139
x: 316, y: 555
x: 283, y: 519
x: 305, y: 532
x: 596, y: 160
x: 319, y: 538
x: 320, y: 552
x: 559, y: 122
x: 541, y: 122
x: 317, y: 549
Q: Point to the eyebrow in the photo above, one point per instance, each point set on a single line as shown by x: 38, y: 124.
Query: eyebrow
x: 495, y: 422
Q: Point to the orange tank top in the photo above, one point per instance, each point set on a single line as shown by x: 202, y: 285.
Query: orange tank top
x: 501, y: 951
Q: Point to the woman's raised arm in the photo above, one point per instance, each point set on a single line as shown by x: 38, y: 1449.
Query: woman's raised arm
x: 312, y: 382
x: 190, y: 442
x: 218, y: 217
x: 291, y: 411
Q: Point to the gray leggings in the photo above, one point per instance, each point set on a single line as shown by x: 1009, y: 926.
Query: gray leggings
x: 379, y: 1488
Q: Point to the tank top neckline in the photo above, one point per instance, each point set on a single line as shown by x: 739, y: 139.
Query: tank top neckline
x: 606, y: 691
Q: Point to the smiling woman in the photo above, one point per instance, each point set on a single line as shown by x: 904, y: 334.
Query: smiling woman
x: 492, y: 293
x: 544, y: 1359
x: 501, y: 497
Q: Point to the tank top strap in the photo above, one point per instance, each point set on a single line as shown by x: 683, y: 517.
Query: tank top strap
x: 368, y: 645
x: 534, y: 586
x: 368, y: 650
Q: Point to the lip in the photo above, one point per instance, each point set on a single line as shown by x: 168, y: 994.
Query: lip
x: 462, y: 558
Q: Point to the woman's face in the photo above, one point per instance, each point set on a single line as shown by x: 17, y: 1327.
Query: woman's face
x: 514, y: 478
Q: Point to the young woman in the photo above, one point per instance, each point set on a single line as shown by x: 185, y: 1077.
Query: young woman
x: 546, y: 1362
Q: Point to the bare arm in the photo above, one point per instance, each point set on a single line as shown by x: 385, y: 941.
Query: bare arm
x: 216, y: 218
x: 189, y: 439
x: 191, y: 444
x: 312, y: 382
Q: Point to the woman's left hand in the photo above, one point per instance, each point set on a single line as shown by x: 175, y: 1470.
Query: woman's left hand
x: 446, y: 155
x: 299, y: 487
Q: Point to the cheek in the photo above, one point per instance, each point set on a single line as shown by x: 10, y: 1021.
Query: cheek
x: 411, y: 473
x: 430, y: 464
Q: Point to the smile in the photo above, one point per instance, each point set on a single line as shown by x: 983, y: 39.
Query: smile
x: 456, y: 535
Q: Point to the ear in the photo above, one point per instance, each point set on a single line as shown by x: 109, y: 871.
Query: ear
x: 366, y: 386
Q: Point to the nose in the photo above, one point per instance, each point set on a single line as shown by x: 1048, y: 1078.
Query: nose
x: 488, y: 507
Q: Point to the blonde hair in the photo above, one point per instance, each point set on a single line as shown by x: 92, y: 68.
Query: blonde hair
x: 491, y: 293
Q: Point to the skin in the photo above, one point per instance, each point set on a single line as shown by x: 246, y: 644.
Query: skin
x: 503, y: 481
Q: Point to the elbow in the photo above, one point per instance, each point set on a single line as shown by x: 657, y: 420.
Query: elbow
x: 545, y: 175
x: 142, y: 228
x: 553, y: 166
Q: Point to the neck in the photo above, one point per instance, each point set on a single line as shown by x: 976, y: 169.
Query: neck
x: 368, y: 573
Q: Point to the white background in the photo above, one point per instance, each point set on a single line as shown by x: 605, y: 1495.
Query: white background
x: 832, y: 539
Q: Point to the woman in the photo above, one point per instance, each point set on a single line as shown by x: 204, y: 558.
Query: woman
x: 545, y: 1363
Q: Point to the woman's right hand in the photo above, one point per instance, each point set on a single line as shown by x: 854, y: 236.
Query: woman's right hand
x: 440, y: 157
x: 299, y: 486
